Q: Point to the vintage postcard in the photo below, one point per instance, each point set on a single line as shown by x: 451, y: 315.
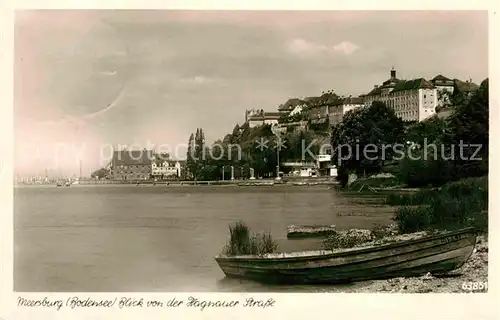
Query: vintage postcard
x: 244, y: 154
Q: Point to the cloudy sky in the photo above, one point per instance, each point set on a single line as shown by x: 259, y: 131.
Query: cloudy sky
x: 87, y: 80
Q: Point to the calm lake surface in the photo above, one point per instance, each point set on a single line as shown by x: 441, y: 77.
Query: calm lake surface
x: 158, y: 238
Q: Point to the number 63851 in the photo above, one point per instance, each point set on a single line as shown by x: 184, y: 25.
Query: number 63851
x: 475, y: 286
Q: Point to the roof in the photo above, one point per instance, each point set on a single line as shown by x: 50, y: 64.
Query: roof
x: 272, y: 114
x: 291, y: 104
x: 440, y: 77
x: 389, y: 83
x: 353, y: 100
x: 375, y: 92
x: 132, y: 157
x: 419, y: 83
x: 327, y: 98
x: 350, y: 100
x: 465, y: 86
x: 170, y: 163
x: 311, y: 101
x: 266, y: 115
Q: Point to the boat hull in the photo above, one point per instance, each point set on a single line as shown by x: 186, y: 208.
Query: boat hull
x: 436, y: 254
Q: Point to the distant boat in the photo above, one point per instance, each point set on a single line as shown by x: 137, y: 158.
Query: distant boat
x: 59, y: 184
x: 436, y: 254
x: 67, y: 184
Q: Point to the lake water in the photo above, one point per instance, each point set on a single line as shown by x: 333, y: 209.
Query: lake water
x: 158, y: 238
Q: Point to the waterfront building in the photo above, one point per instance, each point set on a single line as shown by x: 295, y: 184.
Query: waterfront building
x: 301, y: 168
x: 325, y: 166
x: 165, y: 168
x: 131, y: 164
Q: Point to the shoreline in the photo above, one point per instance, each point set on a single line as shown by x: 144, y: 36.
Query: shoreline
x: 234, y: 183
x: 461, y: 280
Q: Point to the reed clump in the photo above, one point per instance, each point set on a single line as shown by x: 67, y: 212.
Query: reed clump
x: 243, y: 242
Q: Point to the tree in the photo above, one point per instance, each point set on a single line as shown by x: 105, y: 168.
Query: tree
x: 469, y: 126
x: 100, y: 173
x: 428, y: 131
x: 358, y: 141
x: 190, y: 163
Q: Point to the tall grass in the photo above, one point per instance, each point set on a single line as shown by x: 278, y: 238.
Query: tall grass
x: 242, y: 242
x: 455, y: 205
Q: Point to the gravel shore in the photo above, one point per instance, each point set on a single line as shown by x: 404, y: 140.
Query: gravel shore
x: 462, y: 280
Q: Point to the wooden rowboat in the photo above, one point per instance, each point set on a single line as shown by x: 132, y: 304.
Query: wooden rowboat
x: 435, y: 254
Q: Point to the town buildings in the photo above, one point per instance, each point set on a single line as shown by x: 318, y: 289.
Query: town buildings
x: 143, y: 165
x: 412, y: 100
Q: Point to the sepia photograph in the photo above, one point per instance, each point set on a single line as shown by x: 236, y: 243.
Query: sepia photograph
x: 250, y: 151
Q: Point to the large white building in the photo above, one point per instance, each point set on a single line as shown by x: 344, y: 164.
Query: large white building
x: 411, y: 100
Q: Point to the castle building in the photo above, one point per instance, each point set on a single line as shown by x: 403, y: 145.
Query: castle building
x: 257, y: 118
x: 411, y: 100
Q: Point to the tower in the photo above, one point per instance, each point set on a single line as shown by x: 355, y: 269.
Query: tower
x: 393, y: 73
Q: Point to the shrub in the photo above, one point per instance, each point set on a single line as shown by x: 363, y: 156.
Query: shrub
x: 456, y: 205
x: 413, y: 219
x: 425, y: 171
x: 241, y: 241
x: 410, y: 199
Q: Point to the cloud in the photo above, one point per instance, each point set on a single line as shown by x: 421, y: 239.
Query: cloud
x: 108, y: 73
x: 200, y: 80
x: 303, y: 47
x: 345, y: 47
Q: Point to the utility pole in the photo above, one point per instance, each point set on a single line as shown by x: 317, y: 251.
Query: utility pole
x: 278, y: 163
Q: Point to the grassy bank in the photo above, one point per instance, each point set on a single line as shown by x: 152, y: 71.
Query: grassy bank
x: 374, y: 183
x: 455, y: 205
